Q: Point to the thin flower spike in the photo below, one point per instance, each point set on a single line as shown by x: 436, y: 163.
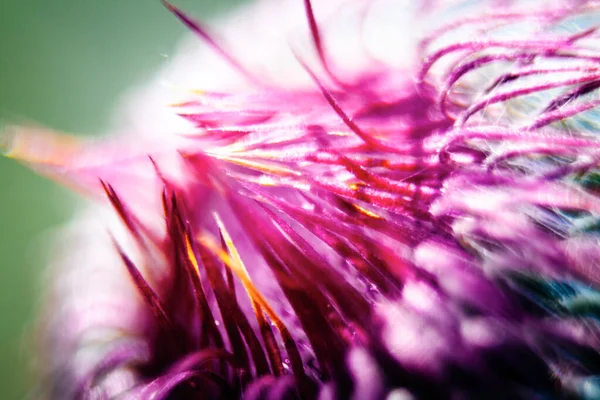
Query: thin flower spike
x: 315, y: 217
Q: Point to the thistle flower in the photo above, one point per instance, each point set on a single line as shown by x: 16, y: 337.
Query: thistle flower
x: 343, y: 223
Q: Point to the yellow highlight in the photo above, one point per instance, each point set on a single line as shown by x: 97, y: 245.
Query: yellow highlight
x: 337, y: 133
x: 356, y: 186
x: 191, y: 255
x: 271, y: 169
x: 235, y: 263
x: 367, y: 212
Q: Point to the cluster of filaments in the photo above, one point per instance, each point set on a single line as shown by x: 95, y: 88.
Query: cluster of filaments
x: 329, y: 190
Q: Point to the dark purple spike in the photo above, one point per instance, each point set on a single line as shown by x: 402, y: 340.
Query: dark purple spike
x: 120, y: 208
x: 326, y: 343
x: 318, y: 42
x: 315, y: 32
x: 149, y: 295
x: 208, y: 319
x: 233, y: 317
x: 344, y: 246
x: 349, y: 300
x: 368, y: 139
x: 265, y: 329
x: 200, y: 31
x: 270, y: 343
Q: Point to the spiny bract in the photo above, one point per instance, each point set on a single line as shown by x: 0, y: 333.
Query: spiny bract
x: 418, y: 222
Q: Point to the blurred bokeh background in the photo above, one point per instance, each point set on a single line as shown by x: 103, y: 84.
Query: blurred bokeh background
x: 63, y: 64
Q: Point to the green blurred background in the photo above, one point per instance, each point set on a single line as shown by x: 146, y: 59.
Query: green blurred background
x: 63, y: 64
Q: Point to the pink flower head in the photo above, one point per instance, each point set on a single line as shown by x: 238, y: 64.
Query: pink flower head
x: 407, y: 210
